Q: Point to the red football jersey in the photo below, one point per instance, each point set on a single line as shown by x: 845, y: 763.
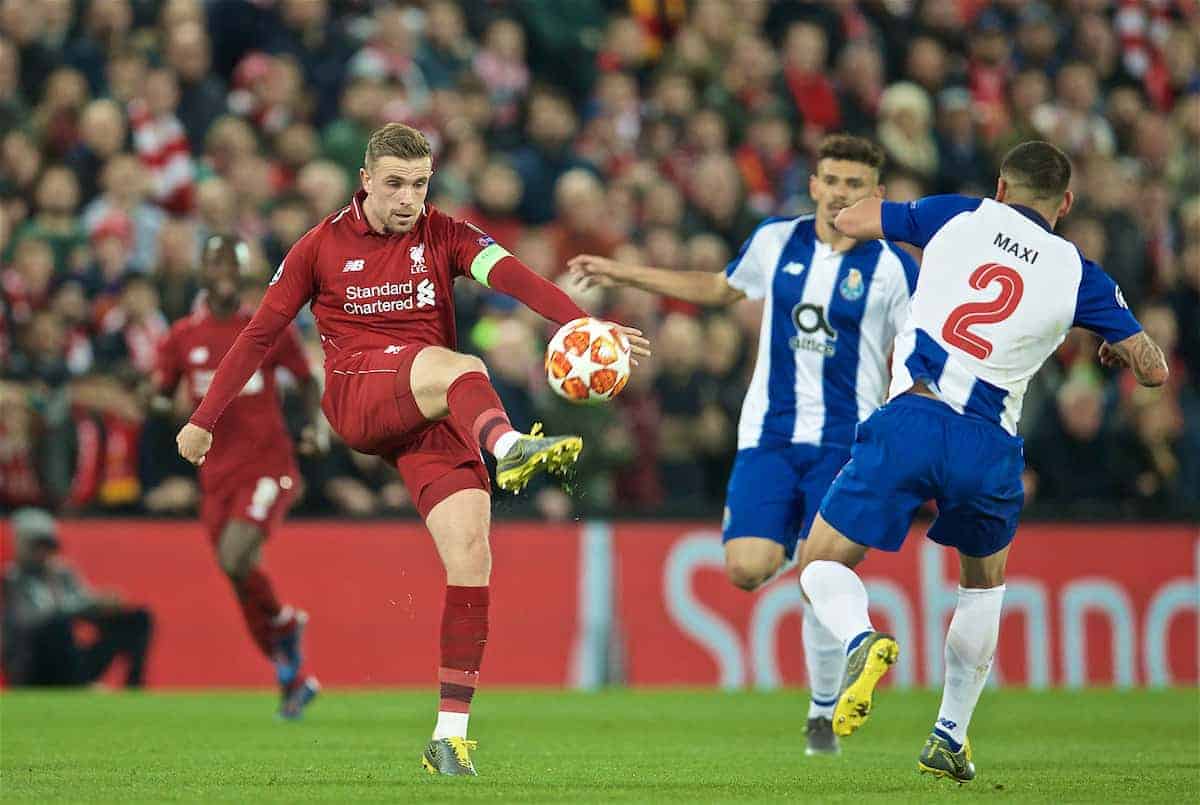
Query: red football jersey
x: 370, y: 290
x: 254, y: 440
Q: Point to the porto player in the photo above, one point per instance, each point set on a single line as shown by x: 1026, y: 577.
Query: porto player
x: 833, y: 306
x: 997, y: 293
x: 379, y: 275
x: 249, y: 479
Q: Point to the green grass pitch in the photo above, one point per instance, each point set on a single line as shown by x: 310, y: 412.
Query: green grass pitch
x: 667, y: 746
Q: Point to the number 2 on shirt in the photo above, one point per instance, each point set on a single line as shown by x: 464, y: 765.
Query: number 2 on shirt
x: 957, y: 329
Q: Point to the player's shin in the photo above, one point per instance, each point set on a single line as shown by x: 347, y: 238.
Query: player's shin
x: 970, y: 647
x: 825, y: 660
x: 476, y: 409
x: 464, y: 636
x: 260, y: 608
x: 839, y: 600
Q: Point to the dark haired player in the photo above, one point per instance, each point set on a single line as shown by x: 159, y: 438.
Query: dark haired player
x: 997, y: 294
x: 250, y: 477
x: 379, y: 276
x: 833, y: 304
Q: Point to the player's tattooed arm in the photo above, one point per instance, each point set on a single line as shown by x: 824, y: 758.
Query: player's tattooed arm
x: 862, y: 220
x: 1141, y: 355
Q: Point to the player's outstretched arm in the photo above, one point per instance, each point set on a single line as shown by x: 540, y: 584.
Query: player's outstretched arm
x: 510, y: 276
x: 862, y: 220
x: 1141, y: 355
x: 699, y: 287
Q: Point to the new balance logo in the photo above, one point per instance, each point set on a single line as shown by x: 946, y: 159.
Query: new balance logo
x: 794, y: 268
x: 353, y: 265
x: 425, y: 294
x: 393, y: 349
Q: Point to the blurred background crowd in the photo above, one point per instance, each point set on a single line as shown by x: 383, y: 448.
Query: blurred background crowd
x: 654, y: 131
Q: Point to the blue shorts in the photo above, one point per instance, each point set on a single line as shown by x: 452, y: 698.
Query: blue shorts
x: 916, y: 449
x: 774, y: 492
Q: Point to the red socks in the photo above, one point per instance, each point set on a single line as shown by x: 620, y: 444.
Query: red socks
x: 475, y: 409
x: 260, y: 609
x: 464, y: 635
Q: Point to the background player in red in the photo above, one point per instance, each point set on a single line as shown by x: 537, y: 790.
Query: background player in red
x: 379, y: 275
x: 249, y: 479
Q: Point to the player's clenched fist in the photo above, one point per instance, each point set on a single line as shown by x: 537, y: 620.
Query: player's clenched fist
x: 193, y: 442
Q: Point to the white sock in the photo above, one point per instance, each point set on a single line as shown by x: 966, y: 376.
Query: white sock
x: 505, y: 443
x: 970, y: 647
x: 838, y: 598
x: 450, y: 725
x: 825, y: 660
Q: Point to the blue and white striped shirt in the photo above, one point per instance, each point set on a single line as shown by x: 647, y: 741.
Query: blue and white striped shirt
x: 828, y: 323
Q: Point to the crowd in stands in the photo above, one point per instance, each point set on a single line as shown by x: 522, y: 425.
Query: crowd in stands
x: 654, y: 132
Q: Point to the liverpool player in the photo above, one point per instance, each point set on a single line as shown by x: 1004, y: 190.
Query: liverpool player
x: 249, y: 479
x: 379, y: 274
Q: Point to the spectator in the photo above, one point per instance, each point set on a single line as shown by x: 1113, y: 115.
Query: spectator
x: 344, y: 140
x: 13, y: 108
x: 582, y: 225
x: 56, y: 221
x: 22, y: 162
x: 1072, y: 120
x: 389, y: 59
x: 102, y: 136
x: 717, y: 197
x: 44, y: 600
x: 201, y: 94
x: 106, y: 27
x: 497, y: 195
x: 805, y: 52
x: 57, y: 116
x: 126, y: 192
x: 323, y: 185
x: 446, y: 50
x: 26, y: 284
x: 963, y: 163
x: 679, y: 387
x: 500, y: 65
x: 1072, y: 460
x: 305, y: 32
x: 860, y: 78
x: 905, y: 129
x: 161, y: 143
x: 550, y: 126
x: 926, y: 64
x: 112, y: 244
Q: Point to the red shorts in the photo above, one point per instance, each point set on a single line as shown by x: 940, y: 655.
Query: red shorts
x: 369, y: 402
x: 262, y: 500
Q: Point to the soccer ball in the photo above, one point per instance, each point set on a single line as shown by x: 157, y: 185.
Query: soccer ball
x: 587, y: 360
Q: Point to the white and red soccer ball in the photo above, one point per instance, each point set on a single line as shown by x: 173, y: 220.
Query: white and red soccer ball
x: 587, y: 360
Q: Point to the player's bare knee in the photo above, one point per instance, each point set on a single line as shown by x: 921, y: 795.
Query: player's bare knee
x: 465, y: 364
x: 745, y: 577
x: 750, y: 562
x: 470, y: 557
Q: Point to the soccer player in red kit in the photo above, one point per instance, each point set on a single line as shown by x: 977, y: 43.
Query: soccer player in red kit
x: 379, y: 275
x: 249, y: 479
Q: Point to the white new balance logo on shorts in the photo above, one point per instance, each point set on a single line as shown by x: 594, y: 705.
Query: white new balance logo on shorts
x: 353, y: 265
